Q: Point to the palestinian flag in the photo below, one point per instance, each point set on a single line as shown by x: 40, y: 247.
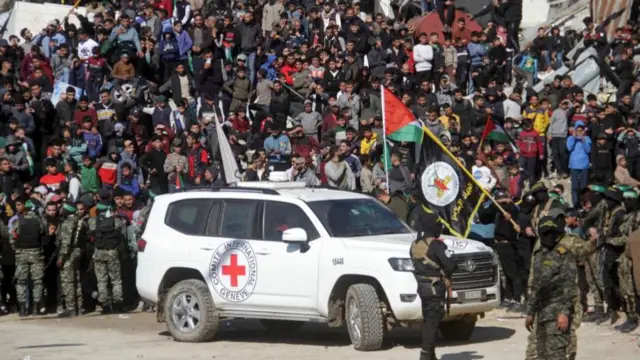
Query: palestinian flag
x: 179, y: 182
x: 386, y: 155
x: 446, y: 189
x: 494, y: 132
x: 399, y: 122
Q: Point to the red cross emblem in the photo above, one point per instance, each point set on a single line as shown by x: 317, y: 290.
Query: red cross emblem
x: 233, y: 270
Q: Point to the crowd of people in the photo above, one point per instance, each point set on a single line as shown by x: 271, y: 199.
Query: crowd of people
x: 297, y: 88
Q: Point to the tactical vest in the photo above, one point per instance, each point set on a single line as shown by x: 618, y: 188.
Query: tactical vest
x: 79, y: 235
x: 107, y: 236
x: 423, y: 267
x: 608, y: 217
x: 540, y: 213
x: 30, y: 236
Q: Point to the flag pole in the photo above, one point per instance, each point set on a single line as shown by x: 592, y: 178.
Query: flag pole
x: 385, y: 152
x: 464, y: 169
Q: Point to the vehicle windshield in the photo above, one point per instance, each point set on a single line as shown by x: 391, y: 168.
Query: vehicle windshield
x: 357, y: 217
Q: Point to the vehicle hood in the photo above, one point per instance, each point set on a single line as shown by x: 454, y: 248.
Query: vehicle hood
x: 398, y: 244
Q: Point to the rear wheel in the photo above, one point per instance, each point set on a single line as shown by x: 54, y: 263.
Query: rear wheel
x: 190, y: 312
x: 281, y: 326
x: 363, y: 316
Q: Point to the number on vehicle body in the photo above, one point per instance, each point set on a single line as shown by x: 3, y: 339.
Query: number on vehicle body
x: 338, y: 261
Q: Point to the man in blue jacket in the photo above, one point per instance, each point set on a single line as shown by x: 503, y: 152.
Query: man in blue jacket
x: 579, y: 147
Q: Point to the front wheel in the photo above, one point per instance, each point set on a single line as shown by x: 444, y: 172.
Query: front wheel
x: 191, y: 315
x: 364, y: 317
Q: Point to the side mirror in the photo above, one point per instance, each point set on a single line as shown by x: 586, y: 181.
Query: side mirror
x: 294, y: 235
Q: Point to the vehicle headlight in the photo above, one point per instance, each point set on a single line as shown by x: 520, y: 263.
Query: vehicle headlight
x: 399, y: 264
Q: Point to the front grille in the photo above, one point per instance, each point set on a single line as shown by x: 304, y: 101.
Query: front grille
x: 484, y: 275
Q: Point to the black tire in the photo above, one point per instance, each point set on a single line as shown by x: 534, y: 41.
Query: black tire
x: 209, y: 320
x: 281, y: 326
x: 371, y: 324
x: 457, y: 330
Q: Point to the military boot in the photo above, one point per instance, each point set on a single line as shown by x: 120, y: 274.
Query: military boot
x: 630, y: 325
x: 602, y: 319
x: 593, y: 316
x: 106, y: 309
x: 117, y: 308
x: 22, y: 312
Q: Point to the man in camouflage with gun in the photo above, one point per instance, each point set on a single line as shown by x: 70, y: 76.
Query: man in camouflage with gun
x: 608, y: 253
x: 26, y: 240
x: 432, y: 267
x: 620, y: 243
x: 552, y: 303
x: 109, y: 232
x: 72, y: 245
x: 581, y: 250
x: 594, y: 219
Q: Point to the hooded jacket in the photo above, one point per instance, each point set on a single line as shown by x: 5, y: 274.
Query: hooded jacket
x: 18, y: 158
x: 108, y: 168
x: 169, y: 48
x: 272, y: 73
x: 184, y: 44
x: 579, y: 150
x: 126, y: 157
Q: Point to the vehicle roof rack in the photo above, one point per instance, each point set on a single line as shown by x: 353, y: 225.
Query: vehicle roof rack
x: 237, y: 189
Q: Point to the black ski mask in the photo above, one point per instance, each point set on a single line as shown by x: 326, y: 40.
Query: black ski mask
x: 550, y: 230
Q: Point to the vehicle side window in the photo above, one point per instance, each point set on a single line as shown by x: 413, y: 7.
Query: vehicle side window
x: 280, y: 216
x: 213, y: 223
x: 188, y: 216
x: 238, y: 218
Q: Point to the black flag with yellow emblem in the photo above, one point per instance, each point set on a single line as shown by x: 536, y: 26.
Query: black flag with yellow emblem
x: 447, y: 189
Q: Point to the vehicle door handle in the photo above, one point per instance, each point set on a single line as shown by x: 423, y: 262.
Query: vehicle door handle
x: 206, y: 249
x: 263, y: 252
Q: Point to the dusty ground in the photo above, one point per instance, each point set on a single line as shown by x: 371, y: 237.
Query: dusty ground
x: 138, y: 336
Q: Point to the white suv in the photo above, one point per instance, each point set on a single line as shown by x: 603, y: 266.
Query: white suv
x: 286, y: 255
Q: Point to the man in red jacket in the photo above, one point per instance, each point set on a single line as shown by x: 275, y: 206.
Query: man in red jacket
x: 198, y: 159
x: 531, y: 149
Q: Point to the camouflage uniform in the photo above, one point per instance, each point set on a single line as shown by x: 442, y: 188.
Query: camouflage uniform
x: 107, y: 263
x: 595, y: 219
x: 70, y: 254
x: 625, y: 276
x: 550, y: 296
x: 29, y: 259
x: 608, y: 254
x: 4, y: 233
x: 581, y: 250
